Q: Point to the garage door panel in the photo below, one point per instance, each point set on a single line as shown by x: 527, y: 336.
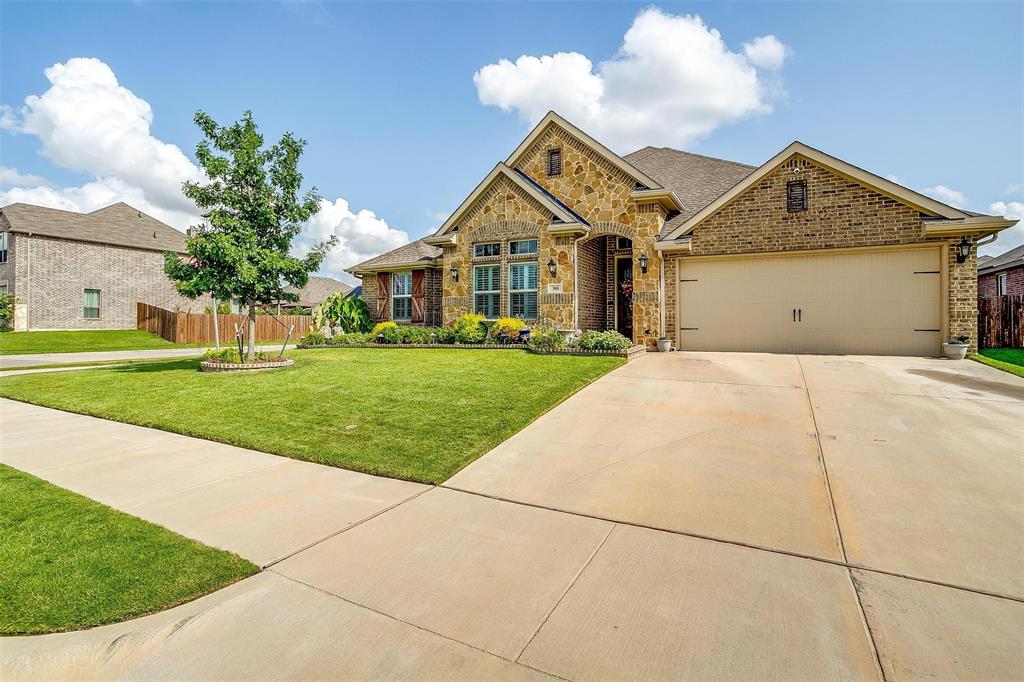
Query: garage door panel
x: 866, y: 302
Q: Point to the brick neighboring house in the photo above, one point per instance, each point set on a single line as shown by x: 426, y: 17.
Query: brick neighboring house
x: 1003, y: 274
x: 315, y: 291
x: 804, y: 253
x: 71, y: 270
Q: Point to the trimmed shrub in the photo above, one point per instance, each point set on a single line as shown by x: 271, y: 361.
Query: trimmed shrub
x: 470, y: 329
x: 608, y: 340
x: 351, y: 339
x: 6, y: 310
x: 506, y: 330
x: 546, y: 338
x: 313, y: 338
x: 444, y: 335
x: 381, y: 326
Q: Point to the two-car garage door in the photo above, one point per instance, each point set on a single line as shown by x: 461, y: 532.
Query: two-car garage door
x: 865, y: 302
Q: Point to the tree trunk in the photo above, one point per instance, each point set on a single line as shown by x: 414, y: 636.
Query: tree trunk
x: 250, y: 354
x: 216, y: 325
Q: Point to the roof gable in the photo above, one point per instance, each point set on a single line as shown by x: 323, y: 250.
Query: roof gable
x: 904, y: 195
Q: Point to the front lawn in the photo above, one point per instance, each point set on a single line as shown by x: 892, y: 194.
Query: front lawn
x: 68, y: 563
x: 1007, y: 359
x: 416, y: 414
x: 20, y: 343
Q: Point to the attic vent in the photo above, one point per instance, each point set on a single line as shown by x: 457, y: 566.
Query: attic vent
x: 154, y: 235
x: 796, y: 196
x: 554, y: 162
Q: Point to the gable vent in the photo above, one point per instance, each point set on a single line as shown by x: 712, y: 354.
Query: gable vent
x: 796, y: 196
x: 554, y: 162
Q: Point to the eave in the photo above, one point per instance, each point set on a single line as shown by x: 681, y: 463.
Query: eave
x: 972, y: 226
x: 396, y: 267
x: 666, y: 197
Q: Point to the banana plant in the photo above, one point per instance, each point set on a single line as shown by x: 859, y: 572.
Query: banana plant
x: 344, y: 314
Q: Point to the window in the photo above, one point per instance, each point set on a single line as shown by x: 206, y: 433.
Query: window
x: 522, y: 286
x: 401, y: 296
x: 554, y: 162
x: 3, y: 287
x: 492, y: 249
x: 1001, y: 284
x: 796, y: 196
x: 3, y: 247
x: 487, y: 291
x: 624, y: 243
x: 92, y: 304
x: 523, y: 246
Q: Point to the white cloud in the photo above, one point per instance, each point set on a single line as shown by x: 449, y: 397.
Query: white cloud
x: 1012, y: 237
x: 1015, y: 188
x: 88, y: 122
x: 361, y: 235
x: 673, y: 80
x: 766, y: 52
x: 946, y: 195
x: 11, y: 177
x: 436, y: 216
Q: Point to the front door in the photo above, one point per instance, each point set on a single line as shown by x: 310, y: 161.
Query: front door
x: 624, y: 296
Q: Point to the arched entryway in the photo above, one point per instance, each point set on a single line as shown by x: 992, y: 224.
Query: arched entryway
x: 605, y: 282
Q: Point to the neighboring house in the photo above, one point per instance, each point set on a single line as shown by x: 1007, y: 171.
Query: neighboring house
x: 71, y: 270
x: 805, y: 253
x: 357, y: 292
x: 1003, y: 274
x: 315, y: 291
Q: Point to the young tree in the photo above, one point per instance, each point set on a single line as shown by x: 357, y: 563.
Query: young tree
x: 252, y: 211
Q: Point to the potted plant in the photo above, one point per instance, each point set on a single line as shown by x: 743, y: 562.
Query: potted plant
x: 664, y: 344
x: 956, y: 348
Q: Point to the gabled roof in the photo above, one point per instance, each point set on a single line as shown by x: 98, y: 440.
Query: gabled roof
x: 117, y: 225
x: 561, y: 212
x: 1014, y: 258
x: 414, y: 254
x: 922, y: 203
x: 317, y: 289
x: 696, y: 179
x: 554, y: 119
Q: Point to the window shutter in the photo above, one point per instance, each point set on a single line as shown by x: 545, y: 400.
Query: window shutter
x: 796, y: 195
x: 418, y: 292
x: 554, y: 162
x: 383, y: 295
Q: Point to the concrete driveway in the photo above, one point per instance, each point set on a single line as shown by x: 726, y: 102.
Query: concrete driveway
x: 688, y: 516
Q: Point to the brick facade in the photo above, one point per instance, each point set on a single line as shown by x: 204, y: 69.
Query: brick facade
x: 841, y: 213
x: 432, y: 291
x: 1014, y: 282
x: 48, y: 277
x: 592, y: 262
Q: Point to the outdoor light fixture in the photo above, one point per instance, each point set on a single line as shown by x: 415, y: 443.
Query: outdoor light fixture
x: 552, y: 267
x: 454, y: 272
x: 643, y: 263
x: 963, y: 250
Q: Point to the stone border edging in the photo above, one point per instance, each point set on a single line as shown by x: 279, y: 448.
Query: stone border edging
x: 243, y: 366
x: 631, y: 353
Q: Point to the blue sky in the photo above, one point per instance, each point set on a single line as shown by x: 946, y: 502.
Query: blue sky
x: 932, y: 94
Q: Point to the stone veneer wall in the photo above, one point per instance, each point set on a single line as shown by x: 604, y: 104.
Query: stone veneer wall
x: 62, y: 269
x: 592, y: 263
x: 841, y: 213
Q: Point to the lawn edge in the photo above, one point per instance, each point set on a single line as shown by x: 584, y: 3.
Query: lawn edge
x: 1007, y: 367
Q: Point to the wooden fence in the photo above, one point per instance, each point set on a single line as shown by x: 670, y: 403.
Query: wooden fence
x: 1001, y: 321
x: 191, y: 328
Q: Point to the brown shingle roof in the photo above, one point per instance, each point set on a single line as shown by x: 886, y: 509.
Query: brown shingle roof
x: 696, y: 179
x: 119, y: 224
x: 413, y: 253
x: 317, y: 289
x: 1010, y: 259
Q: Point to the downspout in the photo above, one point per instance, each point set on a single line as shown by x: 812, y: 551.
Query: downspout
x: 28, y: 282
x: 986, y: 240
x: 575, y: 289
x: 661, y: 298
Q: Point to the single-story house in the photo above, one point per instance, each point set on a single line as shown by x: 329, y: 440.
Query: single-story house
x: 1003, y: 274
x: 316, y: 290
x: 804, y: 253
x: 71, y: 270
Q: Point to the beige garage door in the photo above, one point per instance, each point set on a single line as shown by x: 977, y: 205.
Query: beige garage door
x: 871, y: 302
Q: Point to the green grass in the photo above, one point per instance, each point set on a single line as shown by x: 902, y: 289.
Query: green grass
x: 74, y: 365
x: 68, y: 563
x: 20, y: 343
x: 1007, y: 359
x: 416, y: 414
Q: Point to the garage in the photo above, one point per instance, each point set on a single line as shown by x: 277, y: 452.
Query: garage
x: 871, y: 302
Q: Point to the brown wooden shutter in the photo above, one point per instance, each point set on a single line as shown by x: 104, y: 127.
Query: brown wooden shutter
x: 418, y: 291
x: 796, y: 196
x: 383, y: 295
x: 554, y: 162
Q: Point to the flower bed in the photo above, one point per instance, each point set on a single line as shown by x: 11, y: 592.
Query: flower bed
x: 631, y: 353
x: 217, y: 366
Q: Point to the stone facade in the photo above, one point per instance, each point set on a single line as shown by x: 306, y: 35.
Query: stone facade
x: 841, y: 213
x: 987, y: 283
x: 48, y: 277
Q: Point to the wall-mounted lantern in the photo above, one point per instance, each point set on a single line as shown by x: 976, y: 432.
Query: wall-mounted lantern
x: 963, y: 250
x: 552, y: 267
x: 643, y: 263
x: 454, y: 272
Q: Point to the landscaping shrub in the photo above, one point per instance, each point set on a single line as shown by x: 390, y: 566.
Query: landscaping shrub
x: 608, y: 340
x: 313, y: 338
x: 444, y: 335
x: 506, y: 330
x: 470, y: 329
x: 6, y: 310
x: 546, y: 338
x: 343, y: 314
x: 230, y: 355
x: 351, y: 339
x: 381, y: 326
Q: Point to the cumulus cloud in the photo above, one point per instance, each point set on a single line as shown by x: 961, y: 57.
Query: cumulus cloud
x: 673, y: 80
x: 88, y: 122
x: 1012, y: 237
x: 946, y: 195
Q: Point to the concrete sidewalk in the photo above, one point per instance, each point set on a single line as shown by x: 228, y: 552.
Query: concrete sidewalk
x: 36, y: 359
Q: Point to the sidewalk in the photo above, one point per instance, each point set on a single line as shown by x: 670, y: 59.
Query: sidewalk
x: 36, y: 359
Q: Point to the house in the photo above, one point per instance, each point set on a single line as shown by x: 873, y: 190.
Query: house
x: 315, y: 291
x: 804, y: 253
x: 1003, y: 274
x: 71, y: 270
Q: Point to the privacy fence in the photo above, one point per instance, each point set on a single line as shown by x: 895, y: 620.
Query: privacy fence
x: 1001, y: 321
x: 190, y: 328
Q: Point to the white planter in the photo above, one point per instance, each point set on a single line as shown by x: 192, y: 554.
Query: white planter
x: 955, y: 351
x: 664, y: 345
